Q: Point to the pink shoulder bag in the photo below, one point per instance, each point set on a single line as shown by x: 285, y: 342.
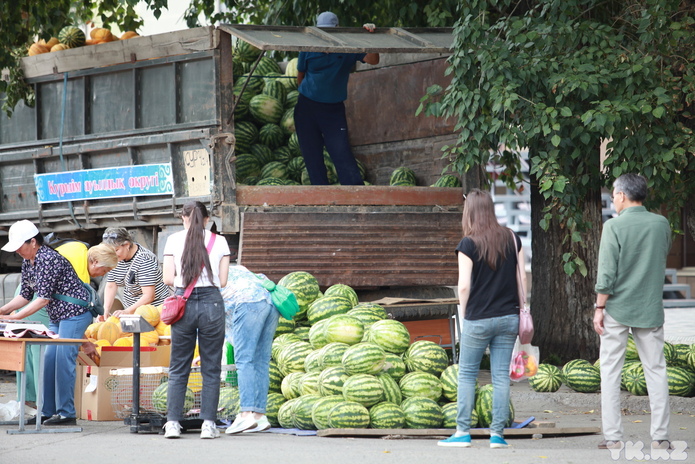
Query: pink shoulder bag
x: 175, y: 305
x: 525, y: 319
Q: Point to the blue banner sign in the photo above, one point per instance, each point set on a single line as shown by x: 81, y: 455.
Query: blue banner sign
x: 95, y: 184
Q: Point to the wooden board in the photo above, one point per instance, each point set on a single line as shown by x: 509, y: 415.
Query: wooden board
x: 476, y: 433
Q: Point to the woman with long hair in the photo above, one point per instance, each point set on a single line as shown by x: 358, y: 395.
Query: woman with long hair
x: 187, y: 262
x: 487, y: 291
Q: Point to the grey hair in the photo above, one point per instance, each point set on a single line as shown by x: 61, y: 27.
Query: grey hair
x: 633, y: 186
x: 117, y: 236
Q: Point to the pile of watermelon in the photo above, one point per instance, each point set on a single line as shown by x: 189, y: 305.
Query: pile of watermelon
x: 344, y: 364
x: 582, y: 376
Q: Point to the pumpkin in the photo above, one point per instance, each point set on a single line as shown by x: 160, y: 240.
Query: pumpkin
x: 37, y: 49
x: 109, y: 331
x: 51, y: 42
x: 100, y: 33
x: 129, y: 35
x: 59, y: 46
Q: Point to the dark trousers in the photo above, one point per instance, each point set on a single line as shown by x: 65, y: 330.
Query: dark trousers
x: 320, y: 124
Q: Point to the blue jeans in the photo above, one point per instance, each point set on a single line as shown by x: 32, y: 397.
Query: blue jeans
x: 320, y: 124
x: 203, y: 321
x: 500, y: 334
x: 253, y: 331
x: 59, y: 367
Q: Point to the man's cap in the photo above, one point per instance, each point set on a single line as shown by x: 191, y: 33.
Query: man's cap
x: 327, y: 19
x: 20, y: 232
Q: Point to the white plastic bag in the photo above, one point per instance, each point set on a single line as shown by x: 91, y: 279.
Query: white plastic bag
x: 524, y: 363
x: 10, y: 411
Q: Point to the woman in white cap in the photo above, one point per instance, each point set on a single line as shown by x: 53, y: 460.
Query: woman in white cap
x: 319, y: 115
x: 45, y: 274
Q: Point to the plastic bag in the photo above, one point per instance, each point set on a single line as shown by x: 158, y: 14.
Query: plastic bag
x: 10, y: 411
x: 524, y: 362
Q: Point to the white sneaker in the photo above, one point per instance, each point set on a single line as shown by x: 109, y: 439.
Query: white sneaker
x: 172, y: 429
x: 240, y: 424
x: 262, y: 425
x: 209, y: 431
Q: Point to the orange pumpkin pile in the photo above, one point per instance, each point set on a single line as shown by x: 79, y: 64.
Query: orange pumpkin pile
x: 98, y: 35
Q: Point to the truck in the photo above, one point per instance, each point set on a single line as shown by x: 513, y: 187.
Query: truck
x: 166, y: 102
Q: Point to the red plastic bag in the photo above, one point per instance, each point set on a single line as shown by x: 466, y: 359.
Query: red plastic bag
x: 524, y: 363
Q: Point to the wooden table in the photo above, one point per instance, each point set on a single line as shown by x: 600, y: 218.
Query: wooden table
x: 13, y: 355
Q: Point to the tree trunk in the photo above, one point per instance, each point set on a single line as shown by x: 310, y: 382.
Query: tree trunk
x: 562, y: 305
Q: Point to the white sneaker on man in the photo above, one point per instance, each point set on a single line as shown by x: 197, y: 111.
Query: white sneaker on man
x: 262, y: 425
x: 240, y: 424
x: 172, y: 429
x: 209, y: 431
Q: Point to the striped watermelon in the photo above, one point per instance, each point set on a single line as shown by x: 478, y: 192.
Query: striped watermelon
x: 680, y: 381
x: 291, y: 71
x: 690, y: 358
x: 583, y: 378
x: 251, y: 180
x: 305, y: 177
x: 301, y: 412
x: 426, y: 356
x: 276, y: 89
x: 394, y: 366
x: 275, y: 170
x: 283, y: 155
x: 681, y: 358
x: 246, y: 134
x: 272, y: 136
x: 548, y: 378
x: 631, y: 348
x: 311, y: 362
x: 392, y: 392
x: 322, y: 407
x: 422, y: 413
x: 386, y: 416
x: 275, y: 377
x: 402, y: 174
x: 159, y: 399
x: 627, y: 365
x: 332, y: 354
x: 71, y: 36
x: 292, y: 97
x: 280, y: 342
x: 574, y: 363
x: 290, y: 385
x: 228, y: 403
x: 450, y: 412
x: 327, y: 306
x: 266, y: 109
x: 271, y: 181
x: 365, y: 389
x: 285, y: 414
x: 483, y: 407
x: 391, y: 335
x: 331, y: 380
x: 267, y: 67
x: 421, y: 384
x: 291, y: 357
x: 304, y: 286
x: 448, y: 180
x: 262, y: 153
x: 450, y: 382
x: 295, y: 167
x: 287, y: 122
x: 285, y: 326
x: 241, y: 105
x: 365, y: 315
x: 246, y: 52
x: 633, y: 379
x: 348, y: 415
x: 275, y: 400
x: 343, y: 290
x: 254, y: 85
x: 317, y: 337
x: 246, y: 166
x: 293, y: 144
x: 669, y: 353
x: 364, y: 358
x: 343, y: 328
x: 302, y: 332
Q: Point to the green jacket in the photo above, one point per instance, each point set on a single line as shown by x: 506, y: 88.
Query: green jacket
x: 631, y: 267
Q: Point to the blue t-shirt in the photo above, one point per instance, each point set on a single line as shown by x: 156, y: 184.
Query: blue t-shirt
x: 326, y: 75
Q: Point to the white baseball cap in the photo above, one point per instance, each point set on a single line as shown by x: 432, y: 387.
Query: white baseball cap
x: 20, y: 232
x: 327, y: 19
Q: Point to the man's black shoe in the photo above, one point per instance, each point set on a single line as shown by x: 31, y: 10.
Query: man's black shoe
x: 32, y: 421
x: 59, y: 420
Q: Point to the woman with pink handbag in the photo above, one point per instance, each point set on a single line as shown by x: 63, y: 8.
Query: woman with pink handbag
x: 487, y: 290
x: 200, y: 272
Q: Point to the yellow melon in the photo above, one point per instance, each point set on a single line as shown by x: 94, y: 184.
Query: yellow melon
x: 149, y: 338
x: 163, y: 329
x: 114, y: 320
x: 92, y: 329
x: 124, y: 341
x: 103, y: 342
x: 149, y: 313
x: 109, y: 331
x: 195, y: 382
x: 129, y: 35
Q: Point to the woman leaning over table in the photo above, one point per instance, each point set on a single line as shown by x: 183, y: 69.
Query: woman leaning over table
x: 186, y: 261
x: 45, y: 273
x: 137, y: 272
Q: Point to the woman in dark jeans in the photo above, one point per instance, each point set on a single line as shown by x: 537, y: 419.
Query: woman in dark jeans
x: 187, y: 260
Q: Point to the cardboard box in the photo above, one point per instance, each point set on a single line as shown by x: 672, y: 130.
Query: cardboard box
x: 97, y: 385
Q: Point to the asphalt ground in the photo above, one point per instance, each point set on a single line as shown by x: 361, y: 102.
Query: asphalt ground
x: 113, y: 442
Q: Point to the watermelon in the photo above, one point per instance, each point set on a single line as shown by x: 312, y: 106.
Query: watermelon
x: 331, y: 381
x: 254, y: 85
x: 246, y: 52
x: 365, y: 389
x: 238, y: 67
x: 275, y: 170
x: 426, y: 356
x: 483, y: 407
x: 267, y: 67
x: 246, y: 134
x: 422, y: 413
x: 302, y: 332
x: 71, y: 36
x: 301, y: 412
x: 293, y: 144
x: 690, y: 358
x: 402, y: 176
x: 251, y: 180
x: 571, y: 364
x: 343, y: 290
x: 295, y: 167
x: 241, y: 105
x: 548, y: 378
x: 275, y: 377
x: 304, y: 286
x: 322, y: 406
x: 420, y: 384
x: 272, y: 136
x: 291, y: 71
x: 394, y: 366
x: 332, y: 354
x: 364, y: 358
x: 262, y: 153
x: 386, y: 415
x: 311, y: 362
x: 246, y: 166
x: 285, y: 414
x: 291, y: 101
x: 392, y: 392
x: 680, y: 381
x: 450, y: 382
x: 627, y: 365
x: 276, y: 89
x: 228, y: 404
x: 448, y: 180
x: 343, y: 328
x: 275, y: 400
x: 365, y: 315
x: 391, y: 335
x: 159, y: 399
x: 268, y: 181
x: 287, y: 388
x: 631, y: 349
x: 283, y: 155
x: 317, y: 336
x: 633, y: 379
x: 285, y: 326
x: 681, y: 356
x: 669, y: 353
x: 348, y: 415
x: 450, y: 412
x: 280, y: 342
x: 583, y: 378
x: 327, y: 306
x: 266, y: 109
x: 291, y: 357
